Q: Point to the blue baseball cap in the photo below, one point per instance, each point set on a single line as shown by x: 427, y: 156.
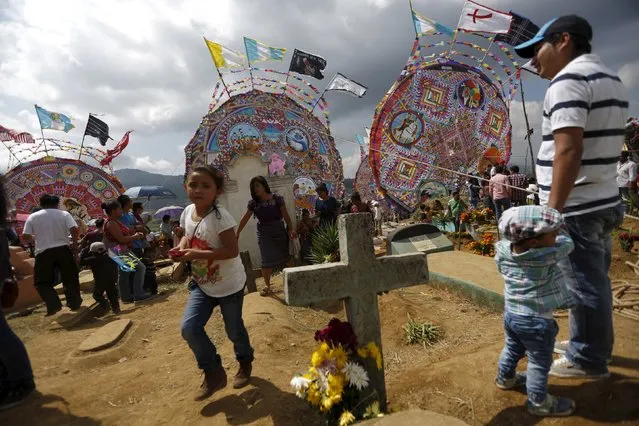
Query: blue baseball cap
x: 571, y: 24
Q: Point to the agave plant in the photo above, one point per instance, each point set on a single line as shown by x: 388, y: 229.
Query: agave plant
x: 442, y: 220
x: 325, y: 244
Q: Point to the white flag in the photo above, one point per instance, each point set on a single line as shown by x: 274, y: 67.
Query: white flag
x: 339, y: 82
x: 478, y: 18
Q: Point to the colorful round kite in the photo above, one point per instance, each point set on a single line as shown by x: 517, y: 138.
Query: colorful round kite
x: 276, y: 129
x: 443, y: 114
x: 82, y: 188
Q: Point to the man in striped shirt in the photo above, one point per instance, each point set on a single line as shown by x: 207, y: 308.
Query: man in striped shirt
x: 584, y: 113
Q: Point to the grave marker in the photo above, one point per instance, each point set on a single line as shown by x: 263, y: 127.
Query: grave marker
x: 357, y: 278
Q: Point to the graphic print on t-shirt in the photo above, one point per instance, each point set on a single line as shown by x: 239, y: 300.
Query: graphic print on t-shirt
x: 204, y: 271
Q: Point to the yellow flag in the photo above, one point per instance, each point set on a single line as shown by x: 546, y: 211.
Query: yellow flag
x: 224, y: 57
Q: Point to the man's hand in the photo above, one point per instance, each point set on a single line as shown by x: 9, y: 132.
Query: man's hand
x: 569, y: 146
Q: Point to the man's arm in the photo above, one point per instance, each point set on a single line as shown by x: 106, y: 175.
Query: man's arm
x: 569, y: 146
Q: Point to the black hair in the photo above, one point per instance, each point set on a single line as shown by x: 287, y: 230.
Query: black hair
x: 625, y: 154
x: 49, y: 201
x: 455, y: 192
x: 262, y: 181
x: 580, y: 44
x: 166, y: 218
x: 514, y: 169
x: 110, y: 206
x: 321, y: 187
x: 305, y: 212
x: 123, y: 200
x: 217, y: 177
x: 532, y: 180
x: 356, y: 197
x: 4, y: 204
x: 499, y: 169
x: 137, y: 205
x: 99, y: 223
x: 213, y: 173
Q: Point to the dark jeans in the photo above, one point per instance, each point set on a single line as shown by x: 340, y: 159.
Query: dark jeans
x: 44, y: 277
x: 501, y: 206
x: 15, y: 367
x: 586, y: 273
x: 534, y: 336
x: 198, y: 310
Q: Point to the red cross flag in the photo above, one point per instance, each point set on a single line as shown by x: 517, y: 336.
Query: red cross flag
x: 479, y: 18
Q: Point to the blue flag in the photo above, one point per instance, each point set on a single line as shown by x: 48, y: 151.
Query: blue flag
x: 258, y: 51
x: 53, y: 120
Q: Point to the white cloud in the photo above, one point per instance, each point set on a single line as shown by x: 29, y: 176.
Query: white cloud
x: 351, y: 164
x: 520, y: 150
x: 629, y: 74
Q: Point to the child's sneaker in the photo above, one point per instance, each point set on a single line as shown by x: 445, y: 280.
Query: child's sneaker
x: 551, y: 407
x: 519, y: 379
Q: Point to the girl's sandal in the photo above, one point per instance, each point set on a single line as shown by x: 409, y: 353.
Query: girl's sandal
x: 266, y: 291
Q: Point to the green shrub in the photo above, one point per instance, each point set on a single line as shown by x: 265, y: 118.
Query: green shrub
x: 325, y: 244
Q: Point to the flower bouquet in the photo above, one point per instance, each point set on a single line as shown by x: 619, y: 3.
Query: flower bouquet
x: 484, y: 247
x: 481, y: 216
x: 336, y: 379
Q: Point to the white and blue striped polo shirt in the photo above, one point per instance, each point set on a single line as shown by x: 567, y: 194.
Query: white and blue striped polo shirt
x: 588, y: 95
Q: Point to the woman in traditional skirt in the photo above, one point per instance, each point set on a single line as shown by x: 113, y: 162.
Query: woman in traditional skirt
x: 272, y: 237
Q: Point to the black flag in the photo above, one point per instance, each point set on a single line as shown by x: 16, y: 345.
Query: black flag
x: 305, y: 63
x: 98, y: 129
x: 521, y: 30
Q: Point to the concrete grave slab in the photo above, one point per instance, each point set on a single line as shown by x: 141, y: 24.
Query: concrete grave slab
x: 421, y: 237
x: 106, y: 336
x: 415, y: 418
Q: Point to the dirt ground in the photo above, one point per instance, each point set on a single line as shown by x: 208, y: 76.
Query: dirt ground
x: 149, y: 378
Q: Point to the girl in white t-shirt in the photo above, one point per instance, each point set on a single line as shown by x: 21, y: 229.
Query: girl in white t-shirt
x: 217, y: 279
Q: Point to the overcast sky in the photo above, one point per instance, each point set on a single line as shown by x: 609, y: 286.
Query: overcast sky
x: 143, y: 64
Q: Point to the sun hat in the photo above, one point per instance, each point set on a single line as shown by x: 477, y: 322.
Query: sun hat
x: 571, y: 24
x: 524, y: 222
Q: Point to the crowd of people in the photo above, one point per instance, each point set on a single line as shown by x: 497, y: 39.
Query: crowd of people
x: 555, y: 251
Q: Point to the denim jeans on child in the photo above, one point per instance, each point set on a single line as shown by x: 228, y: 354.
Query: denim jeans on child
x: 586, y: 272
x: 124, y: 283
x: 534, y: 336
x: 198, y: 310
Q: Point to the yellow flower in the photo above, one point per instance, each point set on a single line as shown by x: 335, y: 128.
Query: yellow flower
x: 372, y: 410
x: 320, y: 355
x: 335, y: 385
x: 340, y: 356
x: 374, y: 353
x: 362, y: 352
x: 313, y: 394
x: 346, y: 418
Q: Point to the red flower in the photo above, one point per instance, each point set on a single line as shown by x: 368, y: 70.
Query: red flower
x: 338, y: 333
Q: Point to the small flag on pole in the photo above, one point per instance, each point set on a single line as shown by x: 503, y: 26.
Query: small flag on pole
x: 258, y: 51
x: 10, y: 135
x: 98, y: 129
x: 344, y: 84
x: 307, y: 64
x: 521, y: 30
x: 481, y: 19
x: 224, y: 57
x: 53, y: 120
x: 426, y: 26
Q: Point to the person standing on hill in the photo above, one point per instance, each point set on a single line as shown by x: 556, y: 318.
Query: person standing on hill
x: 519, y: 182
x: 627, y: 178
x: 50, y: 228
x: 584, y: 114
x: 500, y: 191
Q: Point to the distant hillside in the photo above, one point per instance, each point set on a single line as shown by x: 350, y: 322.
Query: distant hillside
x: 134, y: 177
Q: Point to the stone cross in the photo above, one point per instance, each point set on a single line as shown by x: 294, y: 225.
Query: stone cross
x: 357, y: 279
